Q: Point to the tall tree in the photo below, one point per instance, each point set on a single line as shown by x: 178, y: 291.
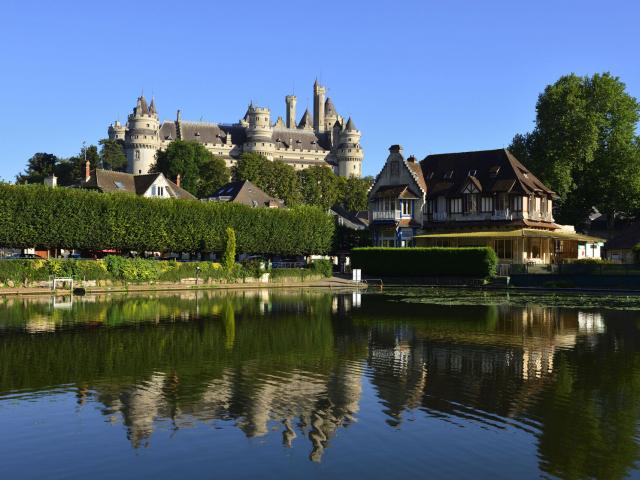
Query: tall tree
x: 584, y: 146
x: 213, y: 174
x: 201, y: 172
x: 252, y: 167
x: 276, y: 178
x: 40, y: 166
x: 112, y: 155
x: 354, y: 193
x: 319, y: 186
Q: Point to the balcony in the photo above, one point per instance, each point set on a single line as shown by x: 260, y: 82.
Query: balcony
x: 385, y: 215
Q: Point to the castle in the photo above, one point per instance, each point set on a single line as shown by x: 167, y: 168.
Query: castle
x: 324, y: 140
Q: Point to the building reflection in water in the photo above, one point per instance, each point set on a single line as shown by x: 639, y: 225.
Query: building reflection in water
x: 296, y: 362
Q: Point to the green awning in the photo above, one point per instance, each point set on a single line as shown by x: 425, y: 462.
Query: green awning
x: 518, y: 233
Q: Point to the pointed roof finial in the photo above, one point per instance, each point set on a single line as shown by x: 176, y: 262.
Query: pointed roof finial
x: 350, y: 125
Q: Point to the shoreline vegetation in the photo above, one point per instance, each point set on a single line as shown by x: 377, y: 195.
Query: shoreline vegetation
x: 120, y: 273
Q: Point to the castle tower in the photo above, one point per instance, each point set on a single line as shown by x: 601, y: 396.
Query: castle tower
x: 259, y: 132
x: 349, y: 153
x: 142, y: 138
x: 117, y: 131
x: 291, y: 110
x: 330, y: 115
x: 318, y: 106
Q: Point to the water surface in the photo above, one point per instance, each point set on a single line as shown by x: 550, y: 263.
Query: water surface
x: 422, y: 382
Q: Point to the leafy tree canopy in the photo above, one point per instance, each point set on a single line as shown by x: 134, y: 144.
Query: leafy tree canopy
x: 320, y: 186
x: 112, y: 155
x: 202, y: 173
x: 584, y: 146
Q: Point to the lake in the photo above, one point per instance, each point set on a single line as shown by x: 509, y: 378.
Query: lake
x: 315, y: 383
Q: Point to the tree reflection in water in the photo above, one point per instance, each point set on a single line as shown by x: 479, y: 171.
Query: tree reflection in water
x: 296, y: 362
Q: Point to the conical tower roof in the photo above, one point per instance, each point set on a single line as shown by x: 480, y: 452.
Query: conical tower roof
x: 152, y: 106
x: 350, y: 125
x: 329, y: 109
x: 142, y: 105
x: 306, y: 121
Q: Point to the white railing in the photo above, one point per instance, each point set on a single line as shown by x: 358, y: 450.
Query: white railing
x: 386, y: 215
x: 502, y: 215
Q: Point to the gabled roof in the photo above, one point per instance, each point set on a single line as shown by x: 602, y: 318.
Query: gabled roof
x: 396, y: 191
x: 416, y: 173
x: 349, y: 219
x: 246, y: 193
x: 493, y: 171
x: 112, y: 181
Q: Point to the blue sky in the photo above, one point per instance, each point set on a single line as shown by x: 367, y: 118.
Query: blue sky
x: 434, y: 76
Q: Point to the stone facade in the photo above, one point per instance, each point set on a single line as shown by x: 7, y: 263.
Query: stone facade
x: 326, y: 139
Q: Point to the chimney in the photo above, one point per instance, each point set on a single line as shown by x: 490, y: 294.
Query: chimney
x: 395, y: 148
x: 411, y: 159
x: 87, y: 171
x: 178, y: 180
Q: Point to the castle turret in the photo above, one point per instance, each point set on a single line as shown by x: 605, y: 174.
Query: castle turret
x: 142, y: 138
x: 330, y: 115
x: 259, y: 132
x: 117, y: 131
x: 318, y: 106
x: 291, y: 111
x: 349, y: 152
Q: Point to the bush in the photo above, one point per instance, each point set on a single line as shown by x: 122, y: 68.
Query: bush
x: 323, y: 267
x: 590, y: 261
x: 35, y: 215
x: 426, y: 261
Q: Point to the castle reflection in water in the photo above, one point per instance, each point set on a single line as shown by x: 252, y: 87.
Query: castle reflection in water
x: 294, y: 363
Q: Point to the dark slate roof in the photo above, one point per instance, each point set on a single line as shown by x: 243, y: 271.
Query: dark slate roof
x: 306, y: 121
x: 246, y: 193
x: 306, y: 139
x: 350, y: 125
x: 112, y: 181
x: 152, y: 106
x: 493, y: 170
x: 168, y: 131
x: 349, y: 219
x: 202, y: 132
x: 329, y: 109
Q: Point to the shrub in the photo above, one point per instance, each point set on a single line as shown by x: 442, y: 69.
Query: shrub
x: 323, y: 267
x: 229, y: 258
x: 426, y: 261
x: 590, y: 261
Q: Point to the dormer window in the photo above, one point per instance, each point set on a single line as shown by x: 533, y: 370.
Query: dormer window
x: 472, y: 173
x: 430, y: 176
x: 448, y: 175
x: 493, y: 171
x: 197, y: 134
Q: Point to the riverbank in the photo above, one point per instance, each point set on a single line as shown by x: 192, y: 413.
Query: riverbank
x: 311, y: 282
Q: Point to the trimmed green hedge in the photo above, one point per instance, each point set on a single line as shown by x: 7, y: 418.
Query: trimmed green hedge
x: 426, y: 261
x: 115, y: 268
x: 35, y: 215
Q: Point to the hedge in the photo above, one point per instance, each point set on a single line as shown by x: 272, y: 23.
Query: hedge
x: 426, y: 261
x: 35, y: 215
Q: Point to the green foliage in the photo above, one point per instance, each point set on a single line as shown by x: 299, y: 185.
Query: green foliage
x: 323, y: 267
x: 319, y: 186
x: 276, y: 178
x: 590, y: 261
x: 201, y: 172
x: 346, y: 239
x: 112, y: 156
x: 584, y: 146
x: 229, y: 258
x: 34, y: 215
x: 40, y: 166
x: 353, y: 193
x: 426, y: 261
